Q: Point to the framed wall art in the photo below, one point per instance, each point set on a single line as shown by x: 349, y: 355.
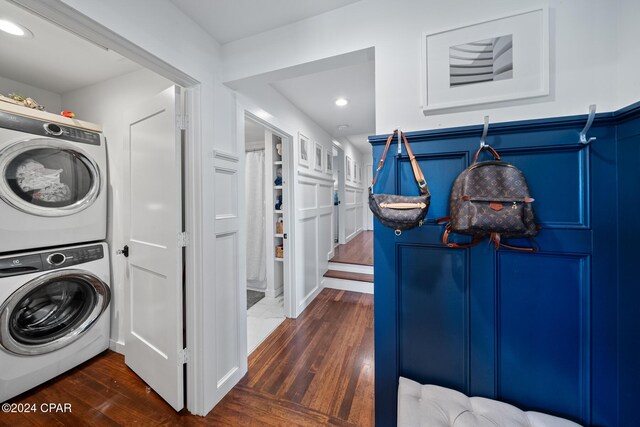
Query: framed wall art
x: 303, y: 150
x: 328, y: 161
x: 318, y: 157
x: 347, y: 169
x: 499, y: 60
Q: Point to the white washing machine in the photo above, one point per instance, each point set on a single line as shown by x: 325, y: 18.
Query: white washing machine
x: 54, y: 313
x: 53, y: 184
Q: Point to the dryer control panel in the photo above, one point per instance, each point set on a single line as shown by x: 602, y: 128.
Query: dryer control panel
x: 32, y: 263
x: 48, y: 129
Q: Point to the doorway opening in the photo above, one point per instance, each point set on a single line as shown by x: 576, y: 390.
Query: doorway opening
x: 267, y: 207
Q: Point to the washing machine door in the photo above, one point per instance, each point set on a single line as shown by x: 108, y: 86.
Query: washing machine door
x: 52, y: 311
x: 48, y: 177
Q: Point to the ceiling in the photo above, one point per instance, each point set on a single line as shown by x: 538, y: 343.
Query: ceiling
x: 315, y: 94
x: 361, y: 142
x: 54, y: 59
x: 229, y: 20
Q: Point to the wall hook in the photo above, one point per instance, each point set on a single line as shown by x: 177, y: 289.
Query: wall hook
x: 583, y: 134
x: 483, y: 138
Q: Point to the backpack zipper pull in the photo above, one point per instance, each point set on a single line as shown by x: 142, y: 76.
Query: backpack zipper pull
x: 514, y: 206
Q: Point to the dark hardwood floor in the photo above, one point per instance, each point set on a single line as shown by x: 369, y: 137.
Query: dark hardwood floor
x: 358, y: 250
x: 316, y: 370
x: 346, y: 275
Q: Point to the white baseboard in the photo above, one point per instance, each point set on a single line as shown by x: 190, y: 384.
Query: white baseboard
x: 308, y: 299
x: 255, y: 289
x: 348, y: 285
x: 351, y: 268
x: 117, y: 346
x: 331, y: 253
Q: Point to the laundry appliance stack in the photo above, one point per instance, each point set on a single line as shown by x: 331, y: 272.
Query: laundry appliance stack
x: 54, y: 263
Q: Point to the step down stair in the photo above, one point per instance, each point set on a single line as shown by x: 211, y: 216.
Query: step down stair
x: 358, y: 277
x: 346, y: 280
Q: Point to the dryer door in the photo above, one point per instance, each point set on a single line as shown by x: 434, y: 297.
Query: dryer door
x: 48, y: 177
x: 52, y: 311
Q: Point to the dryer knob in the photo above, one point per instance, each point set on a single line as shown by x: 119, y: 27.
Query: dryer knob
x: 56, y: 258
x: 52, y: 129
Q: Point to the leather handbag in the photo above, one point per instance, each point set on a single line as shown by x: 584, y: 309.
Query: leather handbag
x: 395, y: 211
x: 490, y: 199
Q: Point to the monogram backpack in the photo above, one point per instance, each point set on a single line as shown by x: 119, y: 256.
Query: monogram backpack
x: 490, y: 199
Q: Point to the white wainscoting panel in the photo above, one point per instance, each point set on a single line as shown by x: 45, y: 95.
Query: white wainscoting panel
x: 226, y: 301
x: 308, y: 198
x: 227, y: 193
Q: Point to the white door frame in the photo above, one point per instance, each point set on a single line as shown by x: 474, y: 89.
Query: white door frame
x: 287, y: 140
x: 71, y: 19
x: 342, y: 207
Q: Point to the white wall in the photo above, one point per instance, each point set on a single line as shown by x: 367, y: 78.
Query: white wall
x: 628, y: 52
x: 106, y: 103
x: 51, y: 101
x: 583, y: 54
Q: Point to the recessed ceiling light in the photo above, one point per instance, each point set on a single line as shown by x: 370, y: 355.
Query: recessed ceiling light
x: 14, y: 29
x: 341, y: 102
x: 342, y: 127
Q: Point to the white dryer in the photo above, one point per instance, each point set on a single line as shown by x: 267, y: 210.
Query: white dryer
x: 53, y: 184
x: 54, y: 313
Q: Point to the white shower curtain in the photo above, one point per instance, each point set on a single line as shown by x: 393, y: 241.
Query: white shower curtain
x: 256, y: 253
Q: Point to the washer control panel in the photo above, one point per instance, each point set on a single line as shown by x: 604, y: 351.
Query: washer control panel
x: 48, y: 129
x: 25, y: 264
x: 69, y: 257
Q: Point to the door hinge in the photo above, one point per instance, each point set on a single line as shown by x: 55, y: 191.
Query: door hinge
x: 183, y: 239
x: 183, y: 356
x: 182, y: 121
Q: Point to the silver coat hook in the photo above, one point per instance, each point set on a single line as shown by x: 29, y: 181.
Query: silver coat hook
x: 483, y: 138
x: 583, y: 134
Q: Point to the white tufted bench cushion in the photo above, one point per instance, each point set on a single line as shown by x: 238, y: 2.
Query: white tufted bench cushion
x: 433, y: 406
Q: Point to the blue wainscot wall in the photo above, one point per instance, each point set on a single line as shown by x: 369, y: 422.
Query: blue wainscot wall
x: 557, y: 331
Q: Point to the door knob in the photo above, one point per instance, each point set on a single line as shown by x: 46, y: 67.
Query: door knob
x: 124, y: 251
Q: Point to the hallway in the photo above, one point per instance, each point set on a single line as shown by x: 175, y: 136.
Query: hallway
x: 358, y: 250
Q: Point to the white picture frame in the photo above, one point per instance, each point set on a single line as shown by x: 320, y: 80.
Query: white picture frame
x: 304, y: 150
x: 347, y: 169
x: 355, y: 172
x: 318, y: 157
x: 360, y: 174
x: 328, y: 161
x: 453, y: 77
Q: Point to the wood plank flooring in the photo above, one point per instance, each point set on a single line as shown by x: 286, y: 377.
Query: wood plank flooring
x: 316, y: 370
x: 346, y: 275
x: 358, y: 250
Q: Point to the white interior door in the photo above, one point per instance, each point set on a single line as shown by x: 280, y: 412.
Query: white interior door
x: 154, y: 338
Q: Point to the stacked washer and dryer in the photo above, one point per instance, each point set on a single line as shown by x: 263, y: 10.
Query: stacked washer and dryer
x: 54, y: 264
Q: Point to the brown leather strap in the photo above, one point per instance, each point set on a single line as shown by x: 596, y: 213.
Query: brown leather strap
x: 488, y: 148
x: 495, y: 239
x: 445, y: 240
x: 516, y: 248
x: 417, y: 172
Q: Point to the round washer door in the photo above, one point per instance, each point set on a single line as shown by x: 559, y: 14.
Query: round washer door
x: 48, y: 177
x: 52, y: 311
